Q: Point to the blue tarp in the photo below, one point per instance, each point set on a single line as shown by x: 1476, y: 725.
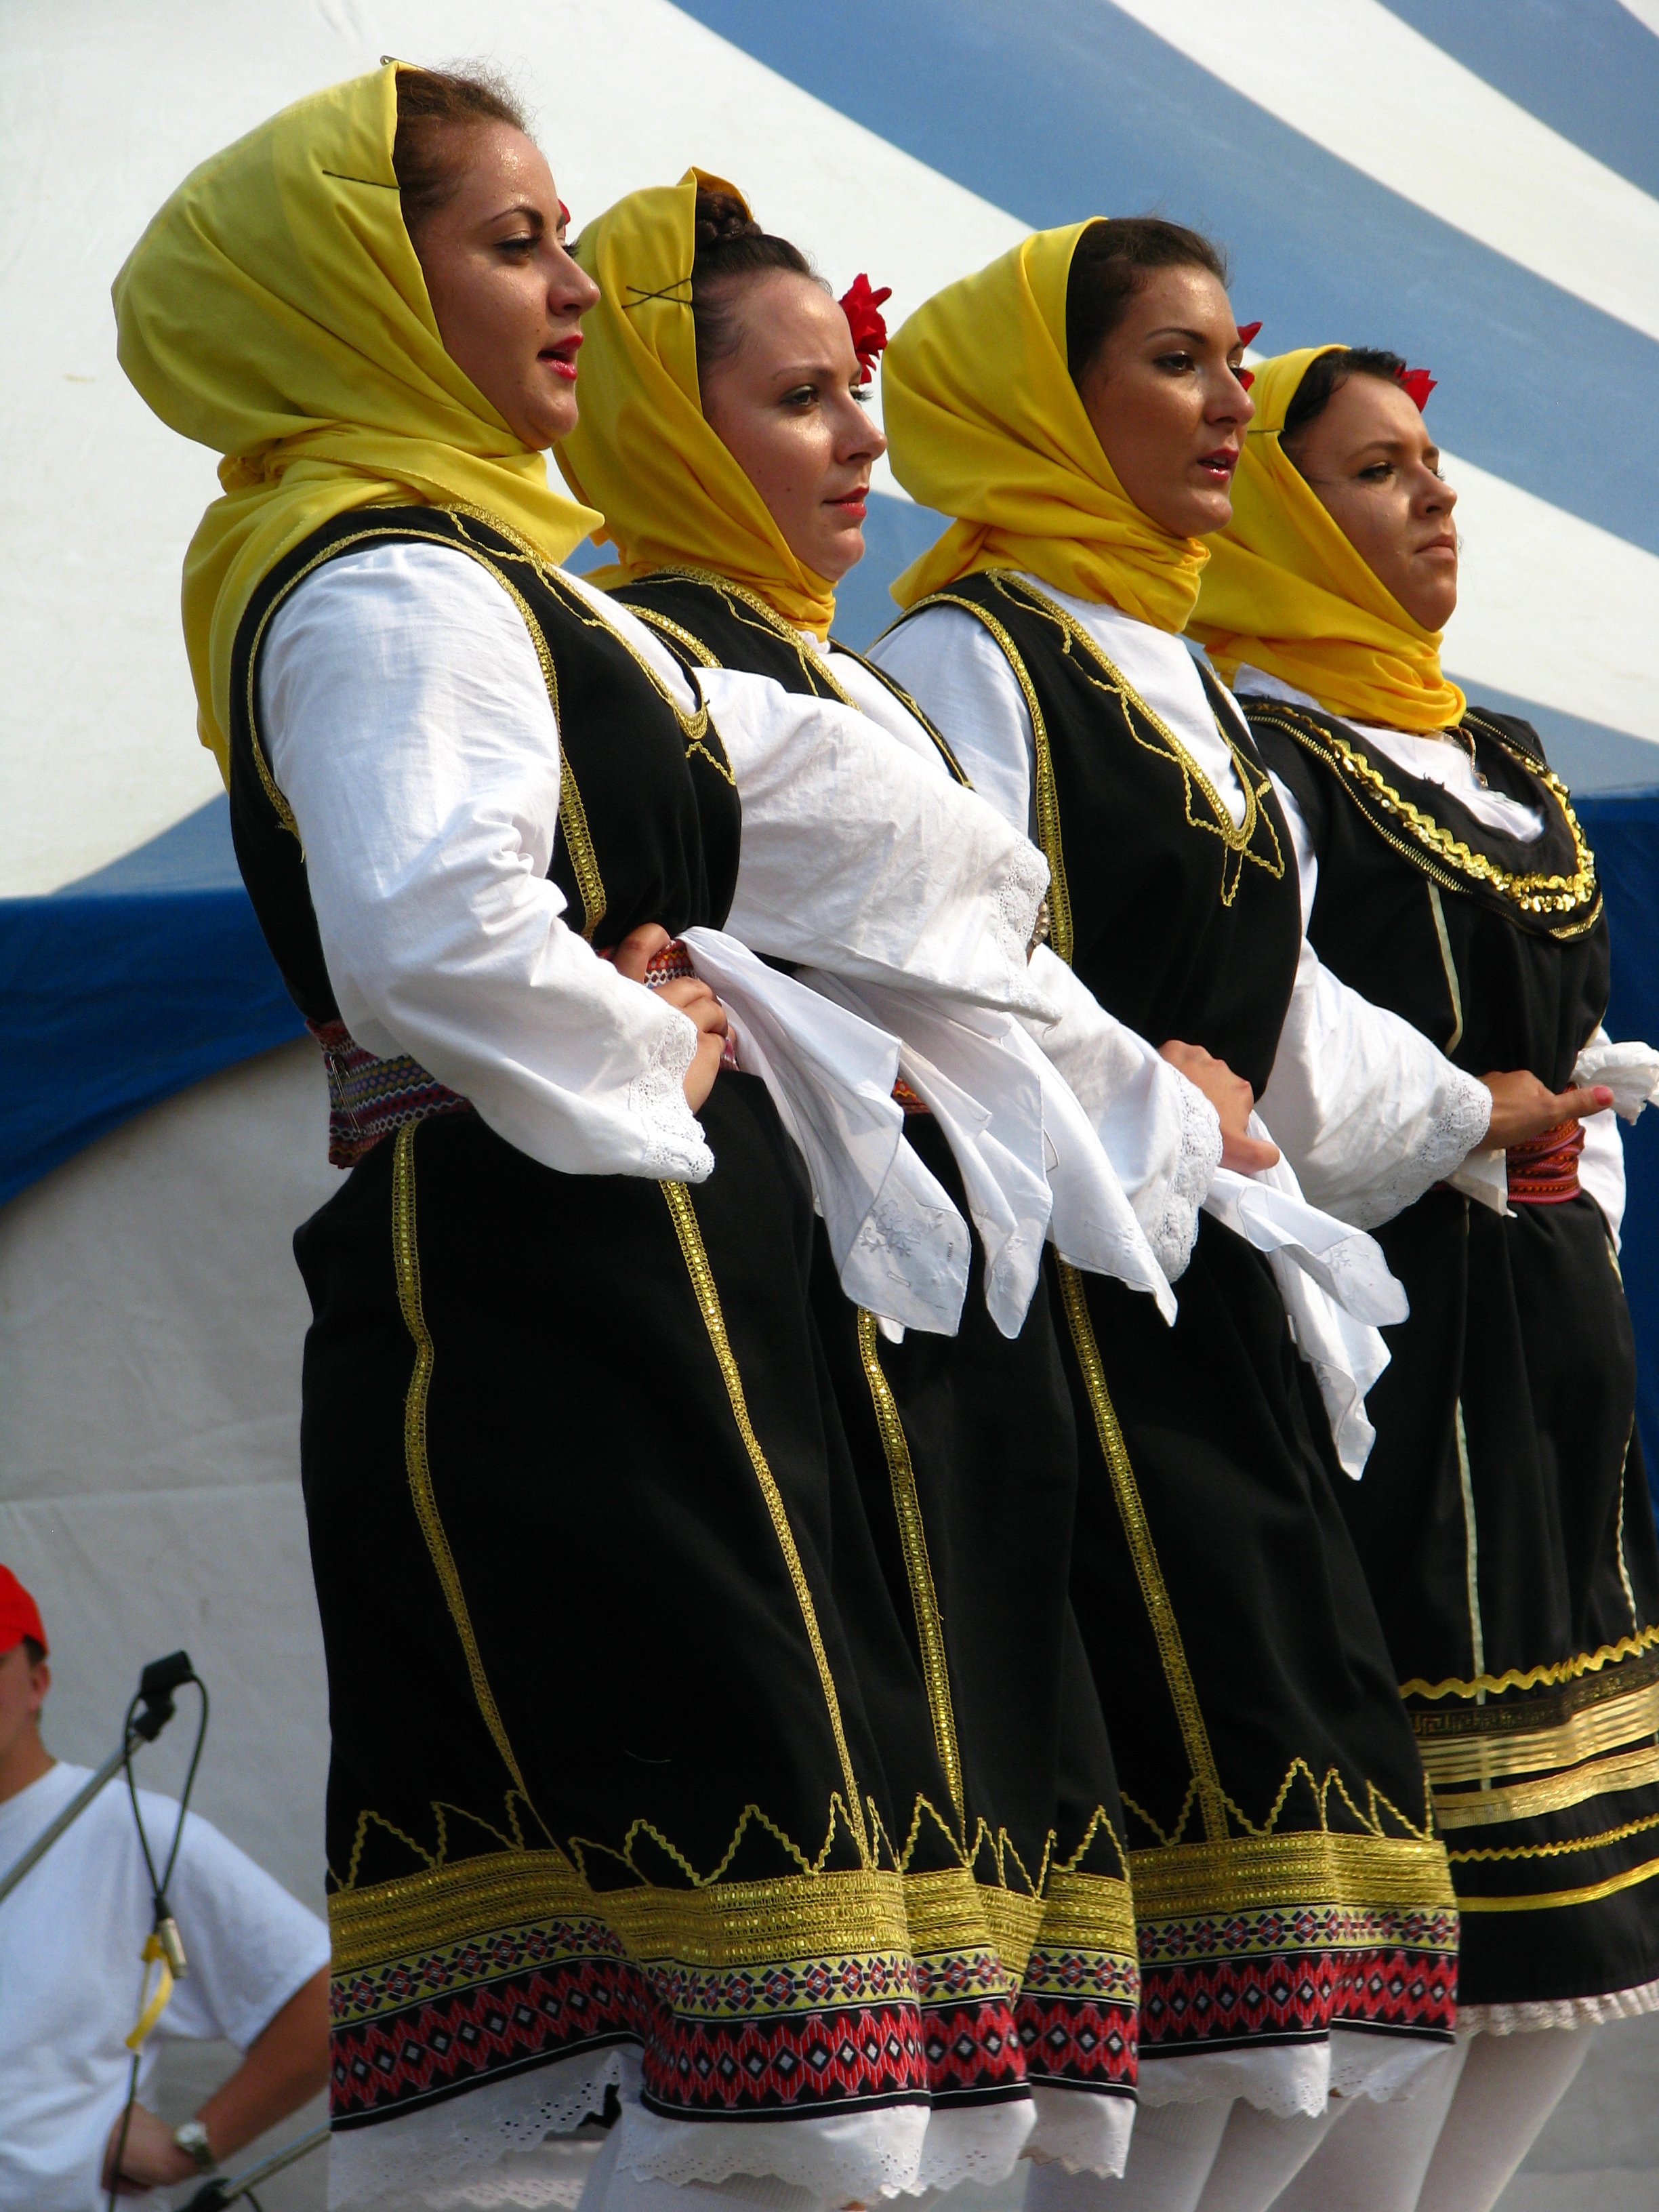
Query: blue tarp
x: 129, y: 986
x: 1624, y: 829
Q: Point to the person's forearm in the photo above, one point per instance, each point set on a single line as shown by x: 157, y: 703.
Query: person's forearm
x: 286, y: 2065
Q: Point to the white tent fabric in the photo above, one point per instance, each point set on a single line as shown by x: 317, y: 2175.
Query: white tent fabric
x: 151, y: 1318
x: 104, y: 106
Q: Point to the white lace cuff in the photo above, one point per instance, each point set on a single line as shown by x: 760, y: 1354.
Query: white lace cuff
x: 1457, y: 1125
x: 1174, y: 1234
x: 674, y: 1151
x: 1018, y: 903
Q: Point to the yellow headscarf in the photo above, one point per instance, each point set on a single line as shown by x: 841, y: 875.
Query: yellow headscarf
x: 986, y: 424
x: 275, y: 311
x: 672, y: 495
x: 1286, y: 592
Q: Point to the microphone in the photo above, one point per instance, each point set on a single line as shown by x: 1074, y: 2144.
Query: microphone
x: 155, y: 1688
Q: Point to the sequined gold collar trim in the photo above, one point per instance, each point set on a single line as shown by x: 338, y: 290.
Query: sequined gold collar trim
x: 1532, y: 893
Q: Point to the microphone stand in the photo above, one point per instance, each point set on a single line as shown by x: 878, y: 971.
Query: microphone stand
x: 155, y: 1688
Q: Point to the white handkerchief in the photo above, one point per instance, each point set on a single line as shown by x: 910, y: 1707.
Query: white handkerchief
x: 1630, y: 1071
x: 901, y: 1248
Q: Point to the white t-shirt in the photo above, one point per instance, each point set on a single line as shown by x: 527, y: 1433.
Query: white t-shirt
x: 70, y: 1935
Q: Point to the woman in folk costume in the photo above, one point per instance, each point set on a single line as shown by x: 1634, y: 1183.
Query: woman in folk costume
x: 1077, y: 407
x: 723, y: 436
x: 1503, y: 1523
x: 615, y: 1681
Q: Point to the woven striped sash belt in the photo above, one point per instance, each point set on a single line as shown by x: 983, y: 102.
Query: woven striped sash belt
x: 1544, y: 1171
x: 369, y: 1098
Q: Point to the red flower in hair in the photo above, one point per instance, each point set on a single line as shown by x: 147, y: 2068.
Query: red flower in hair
x: 1416, y: 383
x: 1246, y: 332
x: 861, y: 307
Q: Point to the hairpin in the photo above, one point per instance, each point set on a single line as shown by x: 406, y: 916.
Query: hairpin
x: 1416, y: 383
x: 861, y: 307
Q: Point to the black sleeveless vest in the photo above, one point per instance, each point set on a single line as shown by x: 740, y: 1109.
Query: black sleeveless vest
x: 649, y: 819
x: 1497, y: 950
x: 1182, y: 925
x: 711, y: 622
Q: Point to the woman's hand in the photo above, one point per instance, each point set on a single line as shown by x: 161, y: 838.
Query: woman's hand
x: 689, y: 993
x: 1523, y: 1107
x: 1233, y: 1100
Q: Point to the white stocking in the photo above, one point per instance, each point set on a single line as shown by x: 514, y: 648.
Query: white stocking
x: 1170, y: 2153
x: 1511, y: 2086
x: 1375, y: 2155
x: 1260, y: 2153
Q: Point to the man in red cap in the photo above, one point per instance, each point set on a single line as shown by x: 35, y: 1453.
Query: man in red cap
x: 25, y: 1678
x: 70, y: 1935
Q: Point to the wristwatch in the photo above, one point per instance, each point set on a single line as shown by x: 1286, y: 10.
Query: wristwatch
x: 192, y: 2139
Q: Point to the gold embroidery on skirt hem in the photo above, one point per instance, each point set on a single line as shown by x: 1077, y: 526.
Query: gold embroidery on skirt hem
x: 1550, y: 1793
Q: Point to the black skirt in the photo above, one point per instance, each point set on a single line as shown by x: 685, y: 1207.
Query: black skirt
x: 1286, y: 1878
x: 1506, y: 1526
x: 966, y: 1452
x: 623, y: 1719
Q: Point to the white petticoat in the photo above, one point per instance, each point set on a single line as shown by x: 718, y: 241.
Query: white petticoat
x: 1558, y: 2012
x: 1285, y: 2079
x: 489, y: 2147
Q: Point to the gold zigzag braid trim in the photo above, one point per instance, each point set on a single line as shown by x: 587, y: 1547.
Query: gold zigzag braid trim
x: 1313, y: 1866
x: 1237, y: 837
x: 707, y: 1296
x: 1237, y: 840
x: 1551, y: 1793
x: 1559, y: 1847
x: 692, y: 726
x: 815, y: 667
x: 1045, y: 796
x: 1531, y: 1678
x: 1155, y: 1594
x: 913, y: 1542
x: 1607, y: 1724
x: 407, y: 1260
x: 1426, y: 843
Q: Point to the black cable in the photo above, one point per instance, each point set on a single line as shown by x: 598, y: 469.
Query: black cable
x: 130, y: 1739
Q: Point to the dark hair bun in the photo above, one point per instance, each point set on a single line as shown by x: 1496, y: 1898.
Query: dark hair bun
x: 730, y: 250
x: 720, y: 216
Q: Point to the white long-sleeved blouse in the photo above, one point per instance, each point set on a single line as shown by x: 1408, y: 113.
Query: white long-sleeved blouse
x: 1602, y: 1163
x: 1372, y: 1114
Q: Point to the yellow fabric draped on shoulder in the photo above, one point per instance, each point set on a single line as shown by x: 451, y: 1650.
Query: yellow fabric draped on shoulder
x: 1286, y: 592
x: 671, y: 493
x: 985, y: 424
x: 275, y: 311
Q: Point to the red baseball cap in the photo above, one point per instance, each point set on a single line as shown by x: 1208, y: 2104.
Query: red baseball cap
x: 20, y: 1616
